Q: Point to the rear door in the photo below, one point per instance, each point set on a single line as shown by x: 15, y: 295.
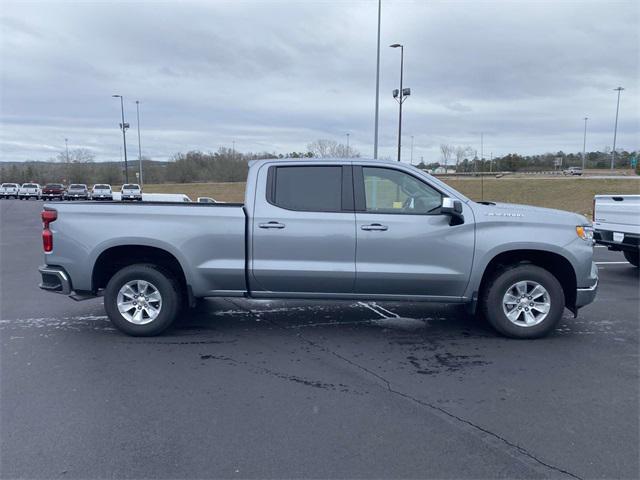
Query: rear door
x: 405, y: 246
x: 303, y: 230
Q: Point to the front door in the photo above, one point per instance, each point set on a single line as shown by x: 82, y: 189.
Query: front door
x: 303, y: 234
x: 405, y: 246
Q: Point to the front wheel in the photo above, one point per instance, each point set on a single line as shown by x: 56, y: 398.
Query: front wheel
x: 142, y: 300
x: 632, y: 257
x: 523, y: 301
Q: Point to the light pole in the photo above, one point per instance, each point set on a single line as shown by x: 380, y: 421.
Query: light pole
x: 139, y: 145
x: 615, y: 128
x: 375, y: 135
x: 411, y: 158
x: 347, y: 145
x: 481, y: 152
x: 66, y: 146
x: 584, y: 144
x: 400, y: 96
x: 124, y: 127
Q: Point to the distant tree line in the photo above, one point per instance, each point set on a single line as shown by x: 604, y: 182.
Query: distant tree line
x: 227, y: 165
x: 464, y: 159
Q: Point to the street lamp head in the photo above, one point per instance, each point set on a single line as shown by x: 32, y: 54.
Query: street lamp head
x: 395, y: 45
x: 116, y: 96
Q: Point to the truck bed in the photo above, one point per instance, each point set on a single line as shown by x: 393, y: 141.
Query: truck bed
x: 208, y: 240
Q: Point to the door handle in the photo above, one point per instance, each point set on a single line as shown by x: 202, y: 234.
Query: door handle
x: 375, y: 226
x: 272, y: 225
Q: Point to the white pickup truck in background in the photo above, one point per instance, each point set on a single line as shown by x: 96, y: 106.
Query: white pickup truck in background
x: 616, y: 220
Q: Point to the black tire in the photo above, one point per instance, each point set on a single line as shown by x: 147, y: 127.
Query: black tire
x: 166, y: 285
x: 632, y: 257
x: 499, y: 284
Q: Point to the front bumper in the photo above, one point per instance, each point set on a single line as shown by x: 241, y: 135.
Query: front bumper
x: 586, y: 295
x: 55, y: 279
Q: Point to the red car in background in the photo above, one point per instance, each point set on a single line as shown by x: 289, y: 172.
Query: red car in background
x: 54, y: 191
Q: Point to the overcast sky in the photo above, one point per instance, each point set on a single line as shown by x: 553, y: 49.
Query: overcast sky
x: 276, y: 75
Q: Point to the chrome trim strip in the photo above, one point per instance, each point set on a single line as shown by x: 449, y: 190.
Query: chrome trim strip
x: 589, y: 289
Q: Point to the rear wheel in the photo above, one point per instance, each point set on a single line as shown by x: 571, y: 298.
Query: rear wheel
x: 523, y: 301
x: 632, y: 257
x: 142, y: 300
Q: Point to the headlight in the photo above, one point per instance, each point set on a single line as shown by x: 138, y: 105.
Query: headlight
x: 585, y: 232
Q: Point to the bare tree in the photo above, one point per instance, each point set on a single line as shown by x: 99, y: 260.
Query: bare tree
x: 447, y: 152
x: 461, y: 152
x: 323, y: 148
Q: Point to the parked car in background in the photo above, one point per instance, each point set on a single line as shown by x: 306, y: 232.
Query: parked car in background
x: 616, y: 220
x: 572, y: 171
x: 131, y: 192
x: 53, y: 191
x: 78, y: 191
x: 101, y: 191
x: 206, y: 200
x: 9, y: 190
x: 313, y: 229
x: 29, y: 190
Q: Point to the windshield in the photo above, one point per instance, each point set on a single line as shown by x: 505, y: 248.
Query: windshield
x: 77, y: 186
x: 9, y: 185
x: 101, y: 187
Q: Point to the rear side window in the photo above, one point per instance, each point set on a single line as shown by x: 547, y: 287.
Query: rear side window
x: 130, y: 187
x: 307, y: 188
x: 30, y: 185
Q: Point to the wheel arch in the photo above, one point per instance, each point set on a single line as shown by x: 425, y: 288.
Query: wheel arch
x: 114, y: 258
x: 559, y: 266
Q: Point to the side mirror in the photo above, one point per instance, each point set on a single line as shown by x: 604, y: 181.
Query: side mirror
x: 453, y: 208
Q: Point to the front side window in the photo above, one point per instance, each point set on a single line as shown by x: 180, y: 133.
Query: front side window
x: 308, y: 188
x: 392, y: 191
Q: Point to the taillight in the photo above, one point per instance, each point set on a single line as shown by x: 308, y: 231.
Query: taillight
x: 48, y: 216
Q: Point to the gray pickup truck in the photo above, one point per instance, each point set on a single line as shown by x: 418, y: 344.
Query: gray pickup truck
x: 339, y: 229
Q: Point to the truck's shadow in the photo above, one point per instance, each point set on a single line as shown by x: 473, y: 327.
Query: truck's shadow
x: 406, y: 319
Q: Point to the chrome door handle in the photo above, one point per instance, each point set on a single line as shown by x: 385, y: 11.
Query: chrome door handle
x: 271, y: 225
x: 375, y: 226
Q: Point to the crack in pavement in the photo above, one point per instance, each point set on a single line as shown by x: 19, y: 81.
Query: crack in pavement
x: 494, y: 439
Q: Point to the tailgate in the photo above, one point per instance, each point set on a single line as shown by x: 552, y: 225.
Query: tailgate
x: 617, y: 212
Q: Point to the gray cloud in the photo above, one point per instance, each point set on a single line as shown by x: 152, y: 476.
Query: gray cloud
x: 276, y: 75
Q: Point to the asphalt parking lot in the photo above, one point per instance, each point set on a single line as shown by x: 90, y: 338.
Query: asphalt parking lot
x: 297, y: 389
